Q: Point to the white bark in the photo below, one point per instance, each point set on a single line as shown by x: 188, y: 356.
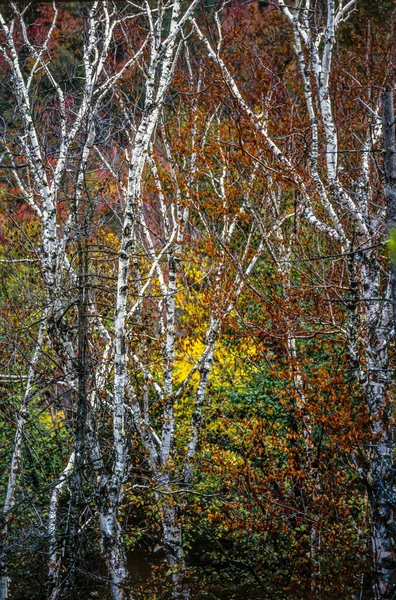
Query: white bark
x: 160, y: 72
x: 261, y: 127
x: 54, y: 557
x: 369, y: 315
x: 15, y: 466
x: 41, y: 190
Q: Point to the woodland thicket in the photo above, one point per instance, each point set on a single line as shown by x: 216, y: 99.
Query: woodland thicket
x: 197, y: 301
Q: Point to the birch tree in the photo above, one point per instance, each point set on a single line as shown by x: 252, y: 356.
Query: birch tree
x: 15, y: 462
x: 42, y: 187
x: 152, y: 214
x: 351, y: 221
x: 170, y: 225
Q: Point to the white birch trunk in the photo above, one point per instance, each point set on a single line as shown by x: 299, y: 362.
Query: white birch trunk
x: 160, y: 72
x: 15, y: 466
x: 365, y: 286
x: 169, y: 507
x: 54, y: 556
x: 314, y: 48
x: 53, y: 257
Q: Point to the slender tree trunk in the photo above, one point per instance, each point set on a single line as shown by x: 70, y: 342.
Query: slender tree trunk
x: 372, y: 374
x: 174, y: 550
x: 383, y: 535
x: 388, y: 127
x: 382, y: 463
x: 81, y: 368
x: 112, y: 546
x: 172, y: 539
x: 107, y: 498
x: 381, y: 471
x: 15, y: 467
x: 54, y: 557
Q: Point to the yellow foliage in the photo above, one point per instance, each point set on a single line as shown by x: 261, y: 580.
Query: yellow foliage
x: 53, y: 420
x: 190, y: 352
x: 228, y: 370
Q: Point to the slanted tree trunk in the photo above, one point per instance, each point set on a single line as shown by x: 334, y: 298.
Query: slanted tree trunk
x: 54, y: 556
x: 15, y: 466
